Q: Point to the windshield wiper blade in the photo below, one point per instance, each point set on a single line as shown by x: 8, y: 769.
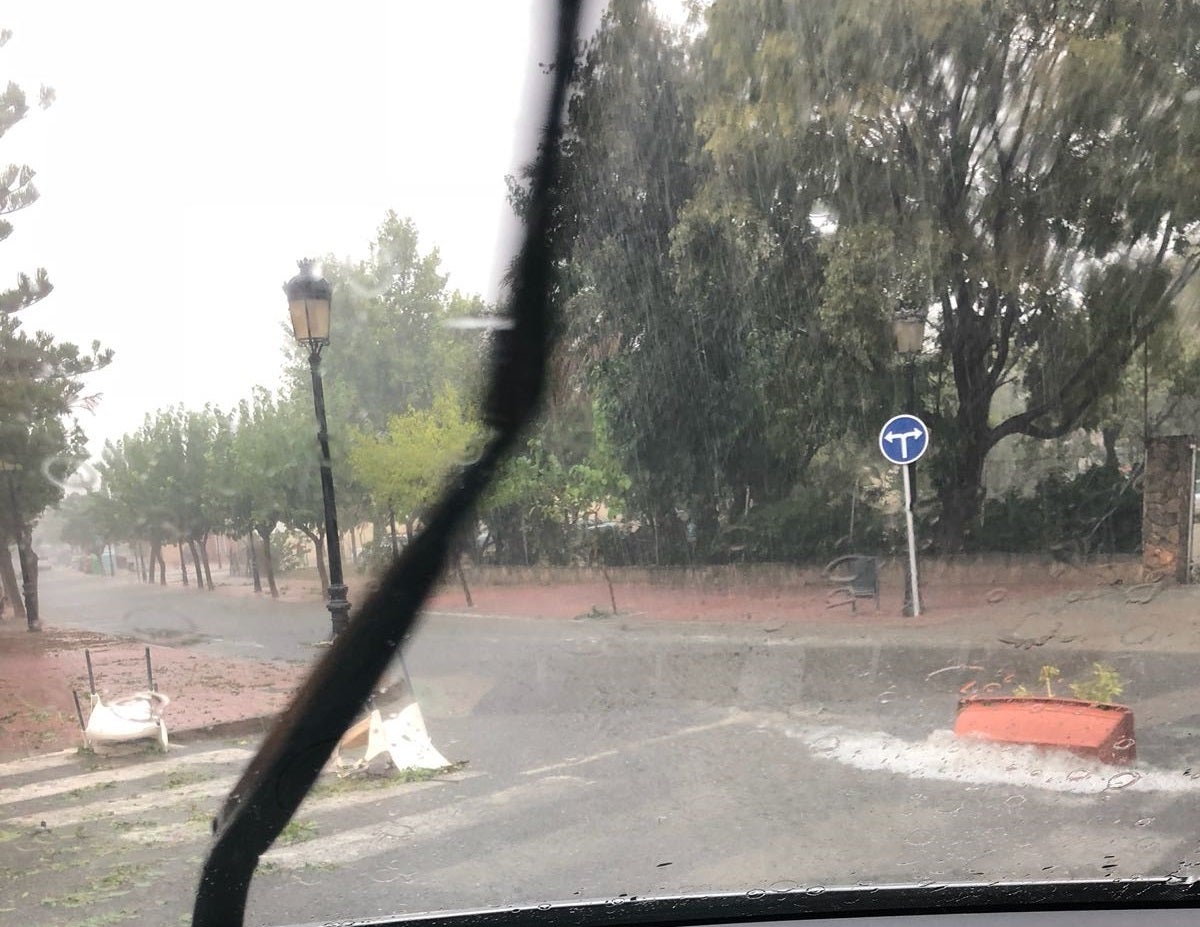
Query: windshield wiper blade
x: 303, y: 739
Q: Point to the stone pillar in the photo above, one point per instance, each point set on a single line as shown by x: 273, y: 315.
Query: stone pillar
x: 1166, y: 506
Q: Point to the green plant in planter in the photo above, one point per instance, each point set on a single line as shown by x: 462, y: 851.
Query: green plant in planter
x: 1104, y: 685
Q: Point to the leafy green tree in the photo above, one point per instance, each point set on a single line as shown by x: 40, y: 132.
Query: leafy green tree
x: 300, y: 477
x: 546, y: 496
x: 260, y: 456
x: 91, y: 522
x: 1019, y: 170
x: 41, y: 385
x: 391, y: 347
x: 627, y: 335
x: 403, y: 469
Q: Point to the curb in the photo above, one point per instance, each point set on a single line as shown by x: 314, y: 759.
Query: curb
x: 238, y: 727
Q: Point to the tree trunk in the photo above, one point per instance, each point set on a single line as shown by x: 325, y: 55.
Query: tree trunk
x: 318, y: 548
x: 198, y: 572
x: 960, y: 495
x: 141, y: 561
x: 29, y: 578
x: 204, y: 563
x: 8, y: 578
x: 217, y: 548
x: 266, y: 539
x: 254, y: 563
x: 395, y: 543
x: 353, y: 546
x: 182, y: 562
x: 1110, y: 435
x: 162, y: 565
x: 155, y: 557
x: 462, y: 578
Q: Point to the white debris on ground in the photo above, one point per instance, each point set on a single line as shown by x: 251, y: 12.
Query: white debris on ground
x: 944, y: 756
x: 125, y: 720
x: 400, y: 742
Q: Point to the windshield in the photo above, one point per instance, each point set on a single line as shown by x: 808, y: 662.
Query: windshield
x: 854, y: 542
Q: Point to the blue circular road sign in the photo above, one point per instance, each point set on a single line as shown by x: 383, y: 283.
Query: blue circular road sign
x: 903, y: 439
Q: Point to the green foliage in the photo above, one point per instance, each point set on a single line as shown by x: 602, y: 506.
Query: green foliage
x: 42, y: 381
x: 814, y: 168
x: 392, y: 349
x: 287, y: 553
x: 547, y: 503
x: 403, y: 469
x: 1099, y: 510
x: 1104, y: 685
x: 811, y: 526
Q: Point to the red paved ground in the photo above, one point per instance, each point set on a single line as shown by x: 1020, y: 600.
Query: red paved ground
x: 38, y: 671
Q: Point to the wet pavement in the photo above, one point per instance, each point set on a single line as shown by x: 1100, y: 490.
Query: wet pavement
x: 616, y: 755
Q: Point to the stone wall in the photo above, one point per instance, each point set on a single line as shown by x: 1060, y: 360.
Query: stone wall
x: 1166, y: 507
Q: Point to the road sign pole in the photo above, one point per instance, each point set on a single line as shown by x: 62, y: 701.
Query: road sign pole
x: 912, y: 542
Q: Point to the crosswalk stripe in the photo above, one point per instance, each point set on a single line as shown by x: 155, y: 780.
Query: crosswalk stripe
x: 12, y: 796
x: 359, y: 842
x: 734, y: 716
x: 182, y: 832
x: 31, y: 764
x: 138, y: 804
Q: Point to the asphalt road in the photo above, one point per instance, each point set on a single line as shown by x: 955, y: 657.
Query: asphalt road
x: 608, y: 758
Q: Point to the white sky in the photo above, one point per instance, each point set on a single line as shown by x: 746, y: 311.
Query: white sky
x: 195, y: 151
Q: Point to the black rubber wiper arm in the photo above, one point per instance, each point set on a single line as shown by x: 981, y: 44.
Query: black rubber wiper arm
x: 302, y: 740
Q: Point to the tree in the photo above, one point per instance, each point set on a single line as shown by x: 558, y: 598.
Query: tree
x: 41, y: 384
x: 392, y: 348
x: 1019, y: 170
x: 628, y: 334
x: 300, y: 477
x: 403, y: 469
x: 260, y: 455
x: 90, y: 522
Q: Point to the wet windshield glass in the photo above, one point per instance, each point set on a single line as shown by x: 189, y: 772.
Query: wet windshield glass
x: 854, y: 545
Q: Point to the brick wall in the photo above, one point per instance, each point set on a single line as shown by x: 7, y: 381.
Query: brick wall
x: 1166, y: 507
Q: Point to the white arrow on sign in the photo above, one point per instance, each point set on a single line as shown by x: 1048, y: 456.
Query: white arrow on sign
x: 903, y: 437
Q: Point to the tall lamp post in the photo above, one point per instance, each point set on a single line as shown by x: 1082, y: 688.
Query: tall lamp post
x: 308, y: 304
x: 909, y: 329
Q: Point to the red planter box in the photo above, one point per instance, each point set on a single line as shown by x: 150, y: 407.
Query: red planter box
x: 1087, y: 728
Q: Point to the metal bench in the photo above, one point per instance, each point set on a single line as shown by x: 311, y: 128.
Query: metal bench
x: 854, y: 577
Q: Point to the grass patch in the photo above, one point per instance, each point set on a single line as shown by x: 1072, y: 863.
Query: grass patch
x: 297, y: 832
x: 108, y: 918
x: 199, y: 816
x: 358, y: 783
x: 131, y: 825
x: 87, y: 790
x: 181, y: 777
x: 114, y: 883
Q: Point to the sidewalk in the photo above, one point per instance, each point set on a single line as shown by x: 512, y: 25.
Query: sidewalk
x: 208, y: 694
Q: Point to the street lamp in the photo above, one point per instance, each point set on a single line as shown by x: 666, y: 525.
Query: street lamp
x: 908, y: 326
x: 309, y: 300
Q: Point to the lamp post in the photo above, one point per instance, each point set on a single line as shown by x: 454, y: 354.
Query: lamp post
x: 909, y: 328
x: 309, y: 305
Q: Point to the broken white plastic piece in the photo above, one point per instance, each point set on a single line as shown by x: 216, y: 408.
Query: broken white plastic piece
x: 135, y: 717
x: 401, y: 739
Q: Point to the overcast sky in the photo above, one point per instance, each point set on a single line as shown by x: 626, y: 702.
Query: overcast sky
x: 195, y: 151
